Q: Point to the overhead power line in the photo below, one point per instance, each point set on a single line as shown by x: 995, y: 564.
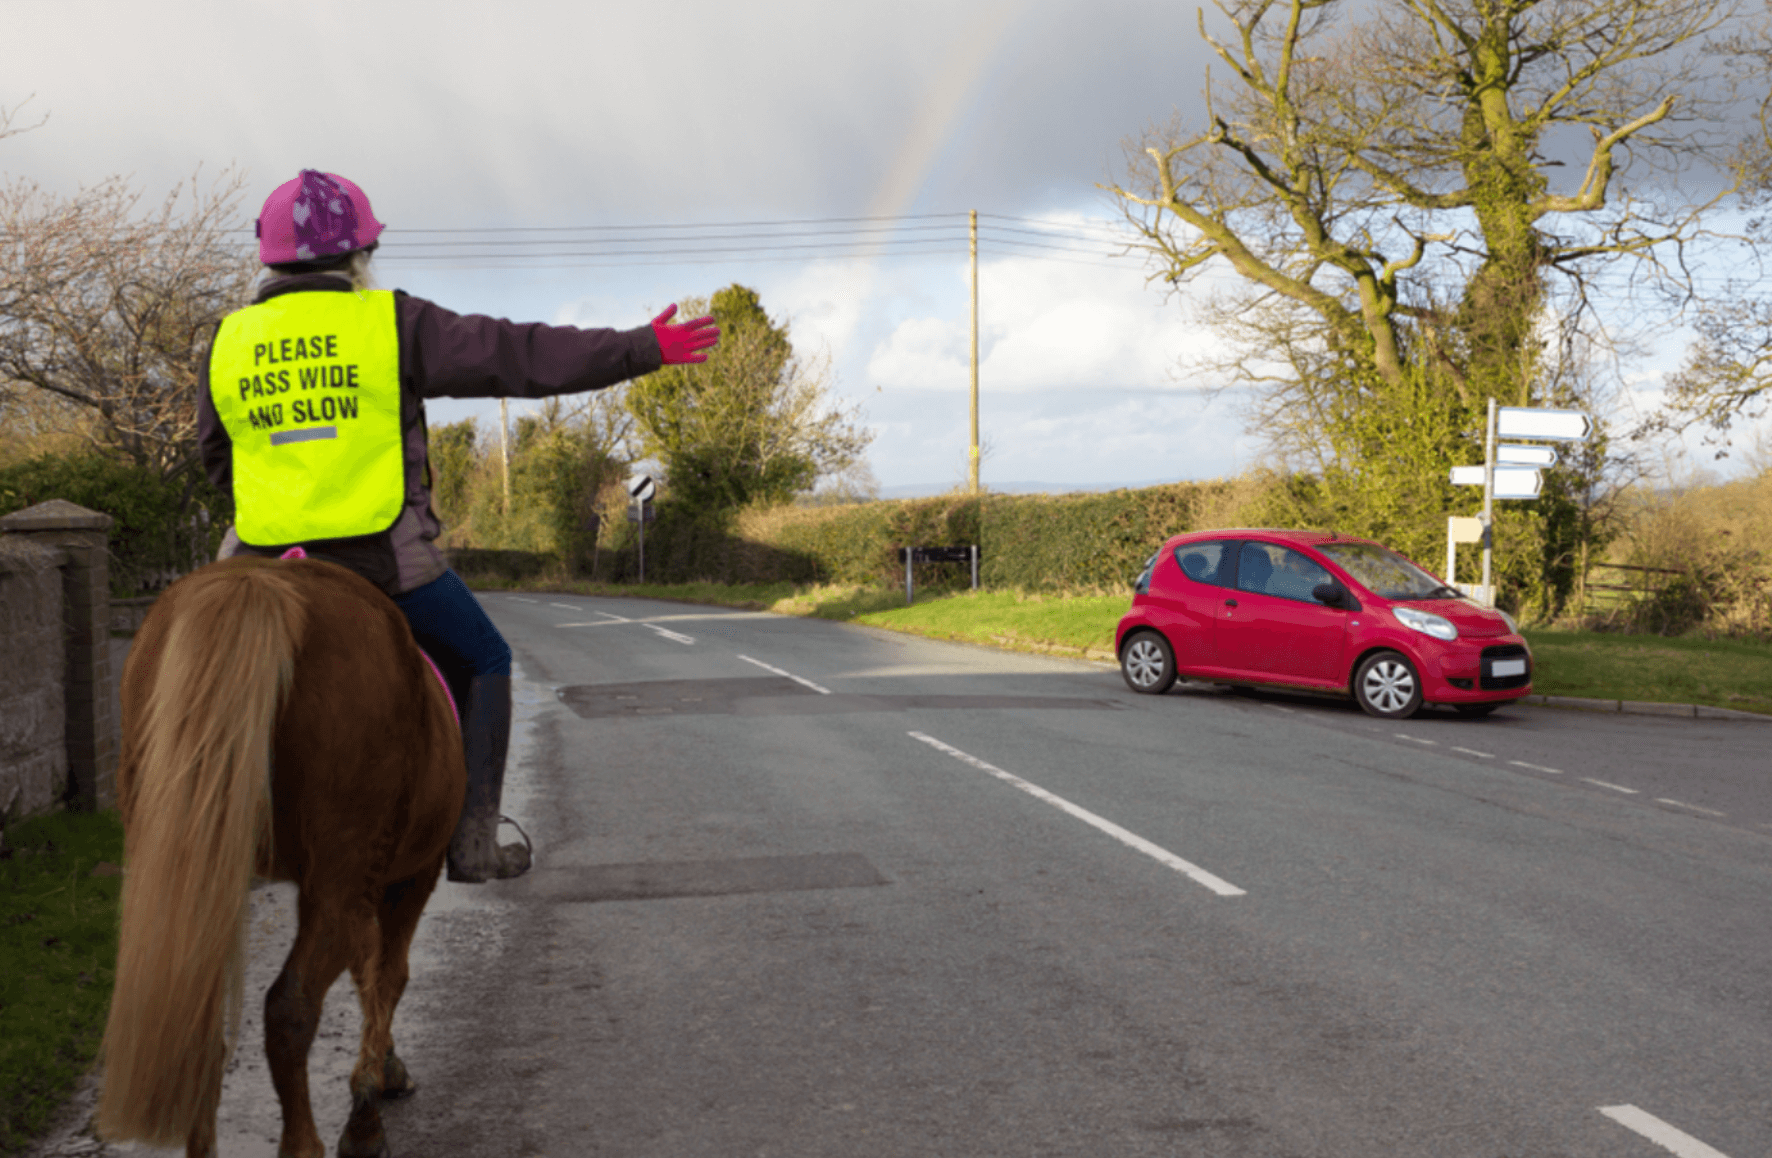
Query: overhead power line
x: 930, y: 235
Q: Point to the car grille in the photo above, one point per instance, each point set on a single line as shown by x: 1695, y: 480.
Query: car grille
x: 1490, y: 682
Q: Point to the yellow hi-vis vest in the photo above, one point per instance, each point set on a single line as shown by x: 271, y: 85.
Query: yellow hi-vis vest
x: 307, y: 385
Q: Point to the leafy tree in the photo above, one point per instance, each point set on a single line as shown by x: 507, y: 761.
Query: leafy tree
x: 454, y: 457
x: 1384, y: 192
x: 752, y: 425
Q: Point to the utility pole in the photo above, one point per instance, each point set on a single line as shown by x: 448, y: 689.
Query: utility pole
x: 972, y: 451
x: 504, y: 448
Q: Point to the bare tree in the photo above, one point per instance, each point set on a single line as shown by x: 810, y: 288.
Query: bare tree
x: 110, y: 310
x: 1385, y: 189
x: 1416, y: 205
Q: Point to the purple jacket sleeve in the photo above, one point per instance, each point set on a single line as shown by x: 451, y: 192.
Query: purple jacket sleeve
x: 450, y: 355
x: 213, y: 442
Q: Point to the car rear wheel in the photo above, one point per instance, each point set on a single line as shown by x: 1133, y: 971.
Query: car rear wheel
x: 1148, y: 664
x: 1386, y: 686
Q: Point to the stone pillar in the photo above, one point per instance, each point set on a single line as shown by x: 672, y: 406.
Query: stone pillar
x: 33, y: 706
x: 92, y: 728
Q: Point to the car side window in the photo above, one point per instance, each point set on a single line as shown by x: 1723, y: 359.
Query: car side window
x: 1202, y: 562
x: 1270, y: 569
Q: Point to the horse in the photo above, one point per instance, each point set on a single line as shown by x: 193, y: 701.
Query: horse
x: 280, y: 721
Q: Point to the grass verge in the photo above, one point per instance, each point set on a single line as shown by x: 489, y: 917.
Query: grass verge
x: 58, y: 948
x: 1719, y: 673
x: 1723, y: 673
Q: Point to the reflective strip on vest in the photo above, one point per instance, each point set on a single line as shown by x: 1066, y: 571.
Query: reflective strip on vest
x: 308, y: 386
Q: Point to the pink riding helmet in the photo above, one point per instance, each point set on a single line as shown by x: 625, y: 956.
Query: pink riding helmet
x: 315, y: 216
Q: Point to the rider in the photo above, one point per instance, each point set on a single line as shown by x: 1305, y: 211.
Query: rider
x: 310, y: 408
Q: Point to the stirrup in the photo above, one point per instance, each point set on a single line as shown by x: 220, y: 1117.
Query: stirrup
x: 527, y: 843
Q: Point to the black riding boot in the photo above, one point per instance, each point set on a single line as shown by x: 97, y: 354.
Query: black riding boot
x: 474, y: 852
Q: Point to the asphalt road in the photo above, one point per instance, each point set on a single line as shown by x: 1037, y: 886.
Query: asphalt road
x: 811, y: 889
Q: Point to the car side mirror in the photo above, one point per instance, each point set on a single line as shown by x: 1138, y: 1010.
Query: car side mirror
x: 1329, y: 594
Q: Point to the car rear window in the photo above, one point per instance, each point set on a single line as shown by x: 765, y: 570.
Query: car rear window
x: 1202, y: 562
x: 1385, y: 573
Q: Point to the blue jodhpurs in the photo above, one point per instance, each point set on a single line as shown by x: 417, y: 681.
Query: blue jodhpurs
x: 449, y: 623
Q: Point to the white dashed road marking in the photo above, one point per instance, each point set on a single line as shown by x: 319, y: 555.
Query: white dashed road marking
x: 1162, y: 855
x: 1474, y: 752
x: 1649, y: 1126
x: 1693, y: 807
x: 1536, y: 767
x: 1413, y: 740
x: 671, y: 634
x: 789, y: 674
x: 567, y: 606
x: 1613, y: 787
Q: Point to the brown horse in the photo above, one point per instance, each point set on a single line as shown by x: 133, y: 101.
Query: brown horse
x: 278, y: 719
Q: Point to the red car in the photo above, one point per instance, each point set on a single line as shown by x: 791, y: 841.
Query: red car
x: 1320, y: 612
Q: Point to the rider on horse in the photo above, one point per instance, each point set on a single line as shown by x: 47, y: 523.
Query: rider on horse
x: 311, y: 410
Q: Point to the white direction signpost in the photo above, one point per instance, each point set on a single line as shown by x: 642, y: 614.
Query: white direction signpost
x: 1510, y: 471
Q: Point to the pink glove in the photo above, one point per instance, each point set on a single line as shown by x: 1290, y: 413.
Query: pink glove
x: 680, y: 343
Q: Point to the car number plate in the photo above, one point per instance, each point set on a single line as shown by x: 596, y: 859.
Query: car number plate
x: 1507, y: 667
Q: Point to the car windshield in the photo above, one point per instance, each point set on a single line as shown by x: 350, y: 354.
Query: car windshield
x: 1385, y: 573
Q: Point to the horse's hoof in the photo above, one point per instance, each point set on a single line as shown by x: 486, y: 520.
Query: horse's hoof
x: 376, y: 1149
x: 396, y: 1083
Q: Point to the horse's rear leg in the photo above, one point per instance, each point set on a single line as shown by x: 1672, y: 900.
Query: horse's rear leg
x: 331, y: 935
x: 381, y: 980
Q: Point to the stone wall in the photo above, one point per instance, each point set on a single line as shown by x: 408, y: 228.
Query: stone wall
x: 33, y: 715
x: 71, y: 643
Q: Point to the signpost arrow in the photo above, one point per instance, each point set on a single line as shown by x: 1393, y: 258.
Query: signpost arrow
x: 1511, y: 482
x: 1511, y: 452
x: 1541, y: 423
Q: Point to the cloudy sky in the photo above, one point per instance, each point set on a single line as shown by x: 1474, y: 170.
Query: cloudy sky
x: 570, y: 119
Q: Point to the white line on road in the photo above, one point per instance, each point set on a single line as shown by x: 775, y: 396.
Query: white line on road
x: 520, y: 599
x: 1474, y: 752
x: 1536, y: 767
x: 1162, y: 855
x: 1278, y: 708
x: 1412, y: 739
x: 668, y: 634
x: 1693, y: 807
x: 567, y: 606
x: 1660, y: 1133
x: 1613, y: 787
x: 789, y: 674
x: 611, y: 618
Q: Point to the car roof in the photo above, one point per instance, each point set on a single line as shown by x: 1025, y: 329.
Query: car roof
x: 1271, y: 534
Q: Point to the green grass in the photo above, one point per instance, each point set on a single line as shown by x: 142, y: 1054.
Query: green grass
x: 1719, y: 673
x: 58, y: 948
x: 1724, y: 673
x: 1080, y: 625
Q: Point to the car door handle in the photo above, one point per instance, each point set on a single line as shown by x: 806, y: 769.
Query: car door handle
x: 1230, y: 602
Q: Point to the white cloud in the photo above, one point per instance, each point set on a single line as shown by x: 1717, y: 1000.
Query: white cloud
x: 1046, y: 325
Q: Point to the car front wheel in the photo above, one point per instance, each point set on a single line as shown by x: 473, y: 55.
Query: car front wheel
x: 1386, y: 686
x: 1148, y: 664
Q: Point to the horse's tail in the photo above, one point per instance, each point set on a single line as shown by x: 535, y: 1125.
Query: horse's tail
x: 199, y: 810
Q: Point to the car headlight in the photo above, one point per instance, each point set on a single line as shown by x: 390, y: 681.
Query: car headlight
x: 1425, y: 622
x: 1512, y: 627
